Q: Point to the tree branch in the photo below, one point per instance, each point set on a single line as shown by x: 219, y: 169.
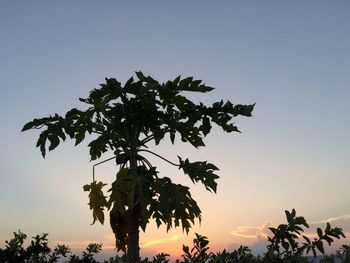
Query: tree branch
x: 97, y: 132
x: 144, y: 160
x: 151, y: 137
x: 93, y: 167
x: 159, y: 156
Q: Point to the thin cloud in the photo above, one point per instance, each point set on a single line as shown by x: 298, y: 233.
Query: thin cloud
x: 260, y: 234
x: 257, y: 236
x: 159, y: 241
x: 108, y: 242
x: 332, y: 219
x: 251, y: 232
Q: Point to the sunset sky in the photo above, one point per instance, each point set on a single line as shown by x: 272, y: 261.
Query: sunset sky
x: 291, y: 58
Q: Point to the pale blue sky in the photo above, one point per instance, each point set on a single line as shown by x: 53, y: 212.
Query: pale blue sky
x: 290, y: 57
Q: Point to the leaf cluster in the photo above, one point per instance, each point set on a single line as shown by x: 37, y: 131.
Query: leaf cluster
x: 37, y: 251
x: 199, y: 253
x: 158, y: 198
x: 124, y: 120
x: 143, y: 110
x: 284, y: 242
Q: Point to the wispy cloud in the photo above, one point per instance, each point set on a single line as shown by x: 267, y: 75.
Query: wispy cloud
x: 153, y: 242
x: 108, y: 242
x: 252, y: 232
x: 257, y: 235
x: 332, y: 219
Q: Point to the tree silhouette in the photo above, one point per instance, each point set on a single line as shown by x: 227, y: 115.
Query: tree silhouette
x: 125, y: 120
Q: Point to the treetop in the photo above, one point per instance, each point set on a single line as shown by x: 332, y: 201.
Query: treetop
x: 134, y: 114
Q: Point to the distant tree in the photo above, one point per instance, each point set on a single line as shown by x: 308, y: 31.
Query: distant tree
x: 125, y: 120
x: 37, y: 251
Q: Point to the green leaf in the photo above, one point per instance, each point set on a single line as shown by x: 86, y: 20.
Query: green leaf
x: 293, y: 214
x: 328, y: 227
x: 184, y: 83
x: 79, y: 137
x: 205, y: 127
x: 319, y: 232
x: 307, y: 239
x: 28, y: 126
x: 98, y: 214
x: 289, y: 216
x: 243, y: 110
x: 128, y: 84
x: 299, y: 220
x: 173, y: 202
x: 140, y: 76
x: 87, y: 188
x: 176, y: 81
x: 319, y: 246
x: 328, y: 239
x: 273, y: 230
x: 172, y: 136
x: 54, y: 142
x: 200, y: 171
x: 42, y: 142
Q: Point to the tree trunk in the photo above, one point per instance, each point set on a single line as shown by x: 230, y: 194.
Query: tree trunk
x: 133, y: 235
x: 133, y: 222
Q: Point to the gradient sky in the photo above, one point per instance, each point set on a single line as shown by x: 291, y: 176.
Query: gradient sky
x: 290, y: 57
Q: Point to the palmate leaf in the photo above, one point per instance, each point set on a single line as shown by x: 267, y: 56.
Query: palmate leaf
x: 188, y: 84
x: 200, y: 171
x: 114, y: 114
x: 173, y: 205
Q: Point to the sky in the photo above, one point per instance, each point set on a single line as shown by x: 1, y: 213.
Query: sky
x: 291, y: 58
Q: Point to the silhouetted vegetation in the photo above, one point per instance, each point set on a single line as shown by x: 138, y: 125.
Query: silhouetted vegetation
x: 284, y: 246
x: 126, y: 120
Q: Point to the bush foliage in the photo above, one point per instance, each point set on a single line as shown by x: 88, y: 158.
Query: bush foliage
x: 287, y: 244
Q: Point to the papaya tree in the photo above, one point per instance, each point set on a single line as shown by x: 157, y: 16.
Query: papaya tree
x: 125, y: 120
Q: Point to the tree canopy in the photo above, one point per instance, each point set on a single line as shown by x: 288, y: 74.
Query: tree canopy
x: 124, y: 120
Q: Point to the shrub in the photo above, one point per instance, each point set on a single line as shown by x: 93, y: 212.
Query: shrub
x: 284, y: 246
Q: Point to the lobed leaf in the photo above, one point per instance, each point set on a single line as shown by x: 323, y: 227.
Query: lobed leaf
x: 200, y: 171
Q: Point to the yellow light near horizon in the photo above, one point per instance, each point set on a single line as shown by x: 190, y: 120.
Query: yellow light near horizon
x: 160, y: 241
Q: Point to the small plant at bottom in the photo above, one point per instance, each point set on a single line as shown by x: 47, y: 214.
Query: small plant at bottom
x: 284, y: 244
x: 199, y: 251
x: 288, y: 245
x: 38, y: 250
